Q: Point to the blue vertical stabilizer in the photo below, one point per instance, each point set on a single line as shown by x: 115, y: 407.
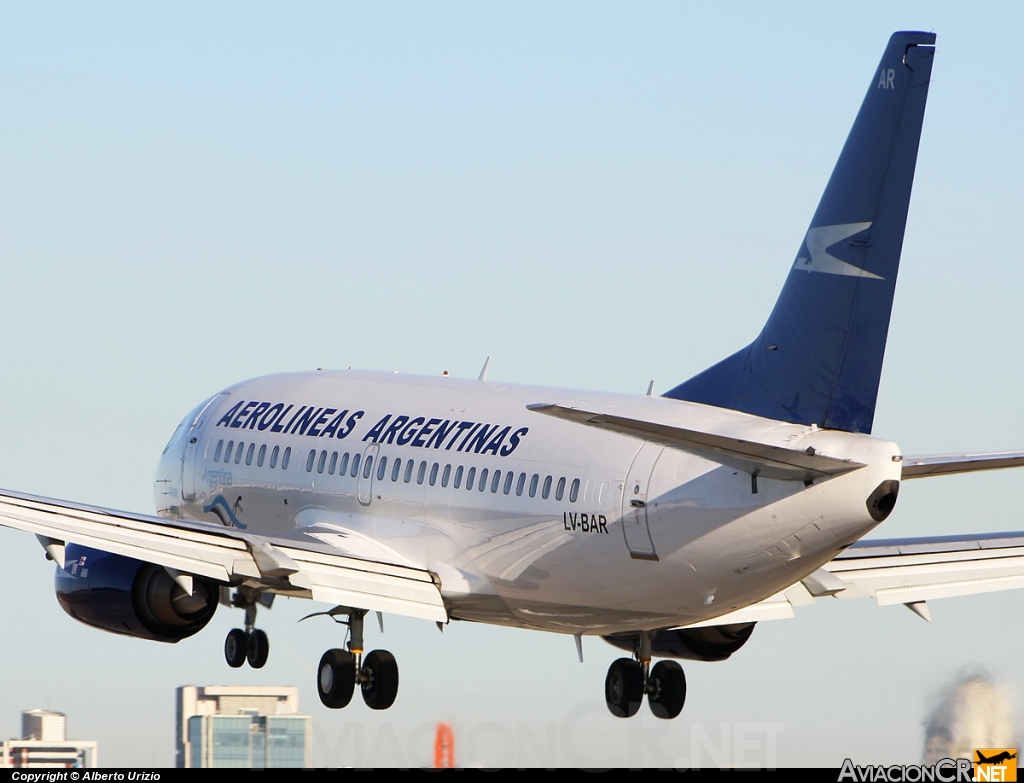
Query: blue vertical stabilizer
x: 819, y: 358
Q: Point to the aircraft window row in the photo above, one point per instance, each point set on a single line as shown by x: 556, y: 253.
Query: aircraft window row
x: 239, y: 450
x: 330, y: 462
x: 432, y: 473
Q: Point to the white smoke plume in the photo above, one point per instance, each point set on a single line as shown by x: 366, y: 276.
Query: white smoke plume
x: 972, y: 712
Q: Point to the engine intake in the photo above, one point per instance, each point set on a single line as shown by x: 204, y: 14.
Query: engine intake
x: 712, y: 643
x: 131, y: 597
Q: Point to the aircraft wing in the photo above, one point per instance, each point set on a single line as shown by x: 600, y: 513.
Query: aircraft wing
x: 946, y: 464
x: 304, y: 567
x: 908, y: 571
x: 767, y: 460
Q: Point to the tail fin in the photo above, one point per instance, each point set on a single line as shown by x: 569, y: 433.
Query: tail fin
x: 819, y: 358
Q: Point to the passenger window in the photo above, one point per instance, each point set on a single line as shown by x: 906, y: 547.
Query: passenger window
x: 344, y: 464
x: 273, y: 456
x: 355, y: 465
x: 249, y: 453
x: 574, y: 490
x: 533, y: 485
x: 422, y: 472
x: 469, y: 478
x: 483, y: 479
x: 521, y: 484
x: 602, y: 494
x: 496, y: 481
x: 458, y: 477
x: 309, y: 460
x: 286, y: 458
x: 546, y: 491
x: 262, y: 456
x: 396, y: 470
x: 227, y: 454
x: 368, y: 466
x: 509, y: 477
x: 560, y: 489
x: 238, y: 452
x: 322, y: 463
x: 408, y: 471
x: 447, y: 474
x: 588, y: 491
x: 382, y: 468
x: 333, y: 464
x: 433, y: 474
x: 220, y: 448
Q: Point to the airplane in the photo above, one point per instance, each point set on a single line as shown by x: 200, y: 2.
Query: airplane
x: 669, y: 526
x: 999, y: 758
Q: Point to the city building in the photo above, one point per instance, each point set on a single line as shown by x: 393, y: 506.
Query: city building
x: 242, y: 726
x: 44, y: 743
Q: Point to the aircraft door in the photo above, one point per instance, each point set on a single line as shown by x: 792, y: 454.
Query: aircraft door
x: 634, y: 503
x: 364, y: 484
x: 189, y: 465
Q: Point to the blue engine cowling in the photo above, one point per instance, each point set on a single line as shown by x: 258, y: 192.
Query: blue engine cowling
x: 131, y: 597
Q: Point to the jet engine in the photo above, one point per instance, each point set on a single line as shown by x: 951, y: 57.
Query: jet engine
x: 713, y: 643
x: 131, y: 597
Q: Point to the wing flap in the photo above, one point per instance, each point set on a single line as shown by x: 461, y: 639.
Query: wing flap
x: 903, y: 571
x: 767, y: 460
x: 231, y: 556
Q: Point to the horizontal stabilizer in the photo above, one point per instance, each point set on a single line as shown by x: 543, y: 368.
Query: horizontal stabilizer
x: 766, y: 460
x: 947, y: 464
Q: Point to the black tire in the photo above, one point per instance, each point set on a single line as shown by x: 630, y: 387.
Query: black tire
x: 235, y: 646
x: 624, y: 688
x: 380, y: 679
x: 336, y: 678
x: 258, y: 649
x: 666, y: 689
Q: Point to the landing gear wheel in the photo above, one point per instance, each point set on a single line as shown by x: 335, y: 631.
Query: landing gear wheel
x: 379, y: 680
x: 666, y: 689
x: 257, y: 649
x: 235, y: 646
x: 624, y: 688
x: 336, y: 678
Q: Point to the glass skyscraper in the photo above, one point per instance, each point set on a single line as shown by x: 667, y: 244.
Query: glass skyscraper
x: 250, y: 727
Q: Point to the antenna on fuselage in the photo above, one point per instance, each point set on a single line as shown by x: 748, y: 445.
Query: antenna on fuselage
x: 483, y: 372
x: 650, y: 388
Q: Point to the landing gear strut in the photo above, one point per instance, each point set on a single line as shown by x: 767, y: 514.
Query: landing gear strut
x: 340, y: 670
x: 629, y: 680
x: 252, y: 644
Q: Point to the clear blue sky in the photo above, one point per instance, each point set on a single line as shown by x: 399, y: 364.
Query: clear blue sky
x: 594, y: 194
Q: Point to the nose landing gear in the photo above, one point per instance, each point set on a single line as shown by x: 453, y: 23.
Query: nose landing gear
x: 252, y: 644
x: 340, y: 670
x: 629, y: 680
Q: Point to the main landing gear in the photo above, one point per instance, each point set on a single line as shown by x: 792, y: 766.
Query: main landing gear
x: 251, y: 644
x: 340, y: 671
x: 629, y: 680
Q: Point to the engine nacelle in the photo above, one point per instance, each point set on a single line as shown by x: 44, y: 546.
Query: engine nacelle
x: 712, y: 643
x: 131, y: 597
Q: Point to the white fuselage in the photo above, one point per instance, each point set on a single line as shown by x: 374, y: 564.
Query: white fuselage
x: 637, y: 537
